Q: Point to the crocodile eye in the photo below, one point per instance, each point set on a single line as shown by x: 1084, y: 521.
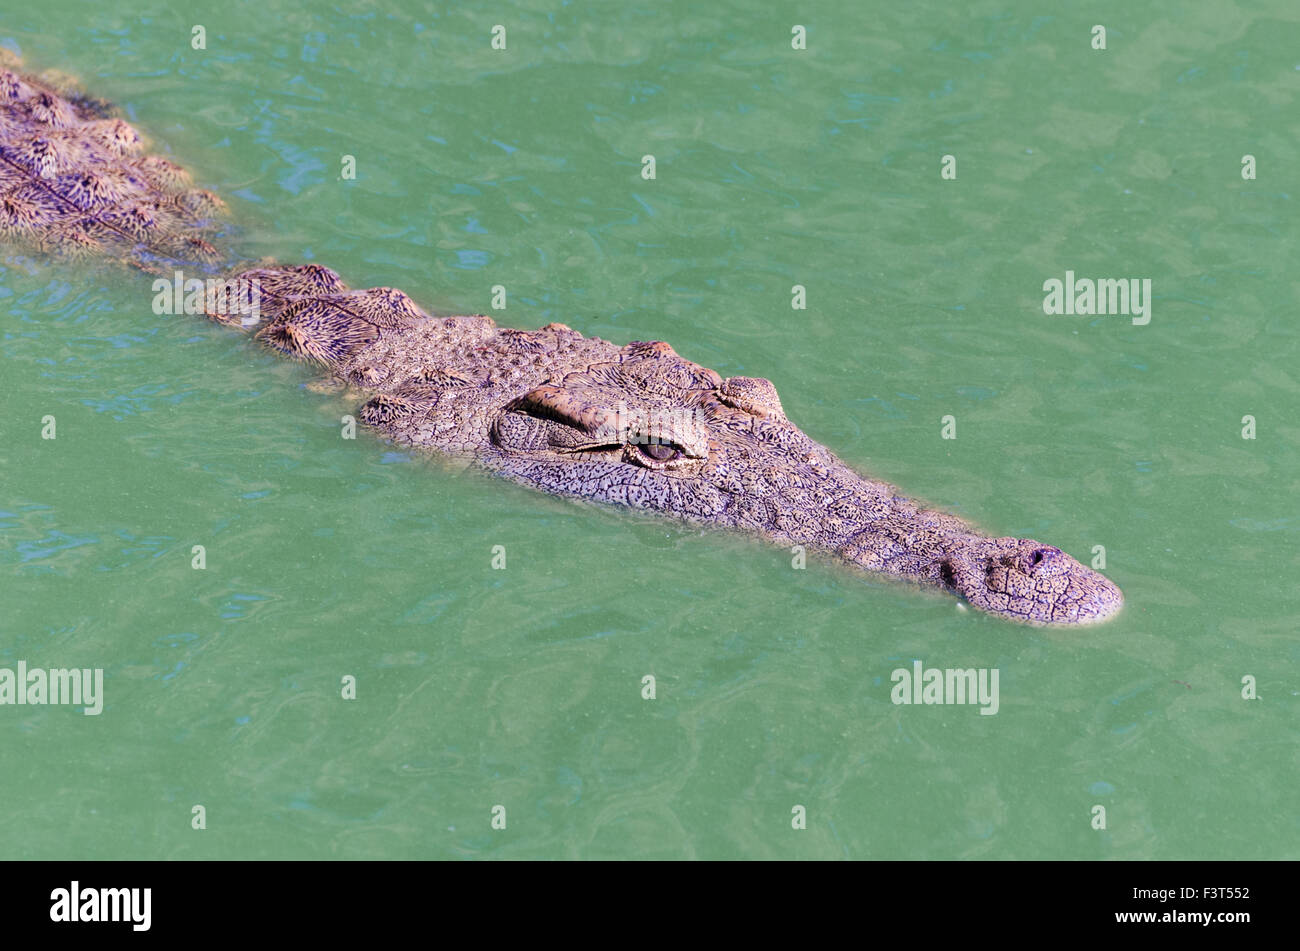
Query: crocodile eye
x: 660, y: 452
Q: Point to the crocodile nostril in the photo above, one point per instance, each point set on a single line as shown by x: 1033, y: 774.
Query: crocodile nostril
x: 1041, y: 556
x: 947, y: 575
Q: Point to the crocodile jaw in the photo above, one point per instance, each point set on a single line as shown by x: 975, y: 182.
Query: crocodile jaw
x: 1025, y: 580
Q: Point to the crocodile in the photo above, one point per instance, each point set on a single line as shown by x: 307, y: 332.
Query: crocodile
x: 636, y: 425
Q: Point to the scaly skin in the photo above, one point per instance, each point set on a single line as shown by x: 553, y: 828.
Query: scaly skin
x: 636, y: 425
x: 76, y: 181
x: 643, y: 427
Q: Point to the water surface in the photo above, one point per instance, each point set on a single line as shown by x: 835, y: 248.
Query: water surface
x: 521, y: 687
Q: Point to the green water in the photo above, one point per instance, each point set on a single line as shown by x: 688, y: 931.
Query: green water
x: 521, y: 687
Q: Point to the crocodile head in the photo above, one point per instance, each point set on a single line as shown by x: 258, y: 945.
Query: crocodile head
x: 642, y: 427
x: 655, y: 431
